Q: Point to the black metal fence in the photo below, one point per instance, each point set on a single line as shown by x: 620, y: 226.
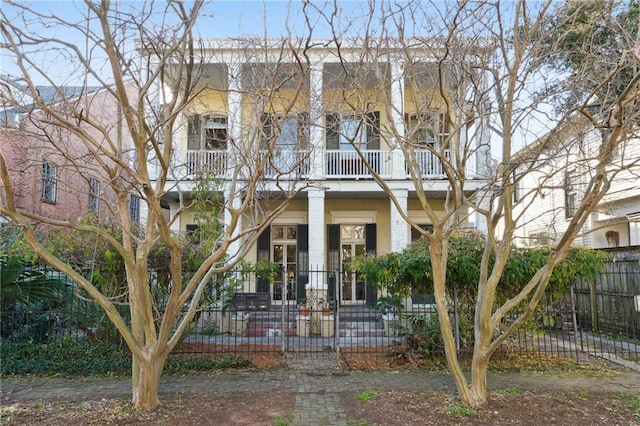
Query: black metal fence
x: 596, y: 318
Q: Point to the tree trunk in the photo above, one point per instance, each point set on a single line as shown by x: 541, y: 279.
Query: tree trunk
x: 477, y: 395
x: 146, y: 381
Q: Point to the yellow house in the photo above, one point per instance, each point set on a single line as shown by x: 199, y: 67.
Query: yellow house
x: 332, y: 118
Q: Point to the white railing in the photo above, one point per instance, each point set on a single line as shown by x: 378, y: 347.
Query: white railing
x: 338, y: 164
x: 287, y: 164
x: 348, y: 164
x: 204, y: 163
x: 429, y: 163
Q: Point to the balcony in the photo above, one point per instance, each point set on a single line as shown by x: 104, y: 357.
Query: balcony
x: 429, y: 164
x: 348, y: 164
x: 296, y: 165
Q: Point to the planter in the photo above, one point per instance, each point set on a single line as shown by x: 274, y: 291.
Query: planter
x: 303, y: 325
x: 304, y: 311
x: 391, y: 324
x: 239, y: 323
x: 327, y: 326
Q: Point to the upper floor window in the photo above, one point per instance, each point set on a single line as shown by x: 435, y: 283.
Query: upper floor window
x: 94, y: 195
x: 134, y: 208
x: 207, y: 131
x: 570, y: 195
x: 428, y: 129
x: 291, y: 132
x: 49, y: 182
x: 517, y: 195
x: 350, y: 131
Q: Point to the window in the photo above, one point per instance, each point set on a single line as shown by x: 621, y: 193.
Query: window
x: 94, y: 195
x: 49, y: 182
x: 613, y: 238
x: 516, y: 187
x: 291, y: 132
x: 537, y: 239
x: 345, y: 132
x: 134, y: 208
x: 207, y: 132
x: 428, y: 130
x: 192, y: 233
x: 570, y: 196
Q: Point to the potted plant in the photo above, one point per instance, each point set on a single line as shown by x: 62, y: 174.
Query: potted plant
x: 303, y: 307
x: 390, y: 306
x: 326, y: 307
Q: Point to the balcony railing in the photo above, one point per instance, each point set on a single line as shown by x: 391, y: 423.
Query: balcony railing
x: 429, y: 163
x: 348, y: 164
x: 294, y: 165
x: 286, y: 164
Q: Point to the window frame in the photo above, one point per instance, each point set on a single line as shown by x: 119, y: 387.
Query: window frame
x: 435, y: 123
x: 49, y: 183
x: 134, y: 208
x: 94, y: 195
x: 198, y: 126
x: 367, y: 125
x: 570, y: 195
x: 282, y: 142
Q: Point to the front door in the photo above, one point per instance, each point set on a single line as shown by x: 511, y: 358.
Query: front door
x: 352, y: 244
x: 284, y: 249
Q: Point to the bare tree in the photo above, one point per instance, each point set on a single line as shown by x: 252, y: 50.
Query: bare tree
x: 460, y: 82
x: 124, y: 128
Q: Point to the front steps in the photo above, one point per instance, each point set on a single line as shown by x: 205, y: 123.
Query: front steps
x: 352, y: 320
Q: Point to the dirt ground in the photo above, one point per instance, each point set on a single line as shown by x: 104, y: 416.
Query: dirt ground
x: 375, y: 408
x: 367, y: 408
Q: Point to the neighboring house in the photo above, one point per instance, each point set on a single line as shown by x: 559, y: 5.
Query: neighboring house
x: 343, y: 212
x: 61, y: 183
x: 548, y: 195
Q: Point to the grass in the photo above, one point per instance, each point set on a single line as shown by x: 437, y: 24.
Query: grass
x: 512, y: 391
x: 632, y: 400
x: 282, y: 422
x: 365, y: 396
x: 460, y: 410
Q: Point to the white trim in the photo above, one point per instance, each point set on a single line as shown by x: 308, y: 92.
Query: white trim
x: 419, y: 216
x: 353, y: 216
x: 291, y: 218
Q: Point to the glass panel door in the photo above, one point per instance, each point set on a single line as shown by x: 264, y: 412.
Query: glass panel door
x: 352, y: 245
x: 284, y: 250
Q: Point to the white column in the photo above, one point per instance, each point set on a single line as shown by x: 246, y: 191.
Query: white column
x: 174, y: 208
x: 397, y: 116
x: 316, y: 131
x: 234, y: 129
x: 399, y: 226
x: 234, y: 115
x: 232, y: 201
x: 316, y: 229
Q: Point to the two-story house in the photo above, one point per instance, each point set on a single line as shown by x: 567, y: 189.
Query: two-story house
x: 338, y: 115
x: 558, y: 169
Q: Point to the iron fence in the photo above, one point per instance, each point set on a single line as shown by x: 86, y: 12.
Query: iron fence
x: 597, y: 319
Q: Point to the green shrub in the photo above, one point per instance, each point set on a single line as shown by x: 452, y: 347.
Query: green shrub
x: 77, y: 357
x: 66, y: 357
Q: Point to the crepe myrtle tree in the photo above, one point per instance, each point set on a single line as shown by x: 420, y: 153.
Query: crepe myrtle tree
x: 139, y: 70
x: 471, y: 82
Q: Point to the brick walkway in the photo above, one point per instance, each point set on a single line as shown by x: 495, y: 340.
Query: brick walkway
x: 316, y: 400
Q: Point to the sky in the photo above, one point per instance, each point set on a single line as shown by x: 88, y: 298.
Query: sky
x: 219, y: 19
x: 272, y: 18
